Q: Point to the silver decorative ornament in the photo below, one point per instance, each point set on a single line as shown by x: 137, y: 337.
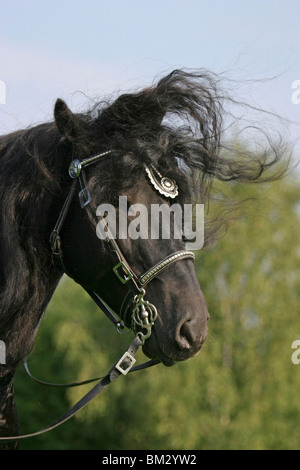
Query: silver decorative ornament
x: 163, y: 184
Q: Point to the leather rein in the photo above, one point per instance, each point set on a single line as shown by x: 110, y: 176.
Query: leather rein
x: 142, y: 313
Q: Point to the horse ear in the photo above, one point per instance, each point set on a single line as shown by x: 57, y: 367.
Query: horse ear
x: 66, y: 121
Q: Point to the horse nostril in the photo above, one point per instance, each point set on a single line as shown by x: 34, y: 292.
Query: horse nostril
x: 184, y: 337
x: 191, y: 335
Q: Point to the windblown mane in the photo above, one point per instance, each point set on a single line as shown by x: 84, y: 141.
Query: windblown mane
x: 178, y: 124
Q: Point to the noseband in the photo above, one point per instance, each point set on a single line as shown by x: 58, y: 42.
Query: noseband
x: 135, y: 310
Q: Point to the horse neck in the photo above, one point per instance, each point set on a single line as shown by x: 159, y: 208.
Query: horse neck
x: 8, y: 415
x: 28, y: 278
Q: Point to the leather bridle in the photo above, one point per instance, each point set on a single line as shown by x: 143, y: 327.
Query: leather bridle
x: 139, y: 313
x: 134, y: 300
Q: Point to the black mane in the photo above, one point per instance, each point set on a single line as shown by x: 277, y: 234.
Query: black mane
x: 28, y: 186
x: 177, y: 124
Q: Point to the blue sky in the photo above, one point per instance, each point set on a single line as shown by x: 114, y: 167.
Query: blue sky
x: 80, y: 49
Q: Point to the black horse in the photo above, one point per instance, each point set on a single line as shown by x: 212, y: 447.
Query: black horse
x: 173, y: 130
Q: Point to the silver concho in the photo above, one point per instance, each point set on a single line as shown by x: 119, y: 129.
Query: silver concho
x: 163, y: 184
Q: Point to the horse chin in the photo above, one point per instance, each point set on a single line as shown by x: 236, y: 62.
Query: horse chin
x: 168, y: 362
x: 160, y: 356
x: 153, y: 351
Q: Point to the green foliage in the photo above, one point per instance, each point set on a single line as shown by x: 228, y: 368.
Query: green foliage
x: 240, y: 392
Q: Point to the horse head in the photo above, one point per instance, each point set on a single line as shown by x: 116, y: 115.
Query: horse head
x: 122, y: 186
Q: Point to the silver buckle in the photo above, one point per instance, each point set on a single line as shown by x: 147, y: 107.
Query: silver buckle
x: 127, y: 273
x: 84, y: 197
x: 125, y: 370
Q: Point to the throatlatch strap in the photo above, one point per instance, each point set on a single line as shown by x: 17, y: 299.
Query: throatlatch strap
x: 55, y: 238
